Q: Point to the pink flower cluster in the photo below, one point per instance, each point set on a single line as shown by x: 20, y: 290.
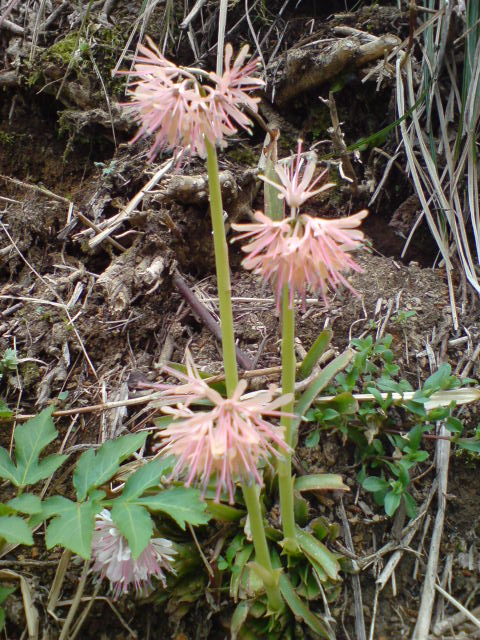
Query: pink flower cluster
x: 113, y: 558
x: 170, y: 103
x: 227, y: 440
x: 302, y: 251
x: 296, y: 180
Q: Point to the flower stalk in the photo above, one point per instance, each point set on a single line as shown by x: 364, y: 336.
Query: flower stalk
x: 222, y: 265
x: 262, y: 553
x: 284, y: 464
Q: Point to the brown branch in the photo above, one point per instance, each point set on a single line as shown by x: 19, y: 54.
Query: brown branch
x: 206, y: 317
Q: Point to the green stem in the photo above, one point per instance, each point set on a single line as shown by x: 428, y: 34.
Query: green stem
x: 223, y: 271
x: 262, y: 553
x: 285, y: 480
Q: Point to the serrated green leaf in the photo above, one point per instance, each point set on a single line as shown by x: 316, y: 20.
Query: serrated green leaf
x: 320, y: 482
x: 314, y: 353
x: 95, y: 468
x: 26, y: 503
x: 319, y: 552
x: 15, y: 530
x: 301, y: 611
x: 8, y: 470
x: 180, y: 503
x: 135, y: 523
x: 146, y: 477
x: 30, y: 440
x: 72, y: 528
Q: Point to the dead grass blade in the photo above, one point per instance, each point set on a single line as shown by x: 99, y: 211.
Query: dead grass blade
x: 31, y: 613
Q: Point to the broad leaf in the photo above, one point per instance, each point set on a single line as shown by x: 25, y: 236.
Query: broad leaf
x: 8, y: 470
x: 15, y: 530
x: 238, y: 618
x: 314, y: 353
x: 392, y: 502
x: 301, y: 611
x: 147, y: 477
x: 319, y: 552
x: 319, y: 382
x: 72, y: 528
x: 30, y: 439
x: 320, y: 482
x: 26, y: 503
x: 135, y: 523
x: 95, y: 468
x: 5, y: 592
x: 470, y: 444
x: 180, y: 503
x: 373, y: 483
x: 224, y: 512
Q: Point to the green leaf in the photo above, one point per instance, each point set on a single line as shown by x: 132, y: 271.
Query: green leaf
x: 135, y: 523
x: 319, y: 383
x: 319, y: 552
x: 274, y: 206
x: 320, y: 482
x: 95, y: 468
x: 26, y: 503
x: 5, y: 411
x: 410, y: 505
x: 5, y: 592
x: 2, y: 618
x: 30, y: 439
x: 180, y: 503
x: 470, y: 444
x: 224, y: 512
x: 441, y: 379
x: 146, y: 477
x: 392, y: 502
x: 9, y: 360
x: 238, y: 618
x: 374, y: 484
x: 15, y: 530
x: 314, y: 353
x: 301, y: 611
x: 8, y: 470
x: 454, y: 425
x: 312, y: 439
x: 72, y: 528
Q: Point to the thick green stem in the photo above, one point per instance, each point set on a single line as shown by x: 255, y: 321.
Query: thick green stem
x: 262, y: 553
x: 285, y: 480
x: 223, y: 271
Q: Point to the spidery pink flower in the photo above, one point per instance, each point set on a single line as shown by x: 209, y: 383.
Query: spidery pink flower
x: 226, y: 441
x: 170, y: 103
x: 297, y: 181
x: 113, y: 558
x: 305, y: 252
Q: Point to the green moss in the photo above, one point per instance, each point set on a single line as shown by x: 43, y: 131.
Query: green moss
x: 243, y: 155
x: 30, y: 373
x: 63, y: 50
x: 6, y: 139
